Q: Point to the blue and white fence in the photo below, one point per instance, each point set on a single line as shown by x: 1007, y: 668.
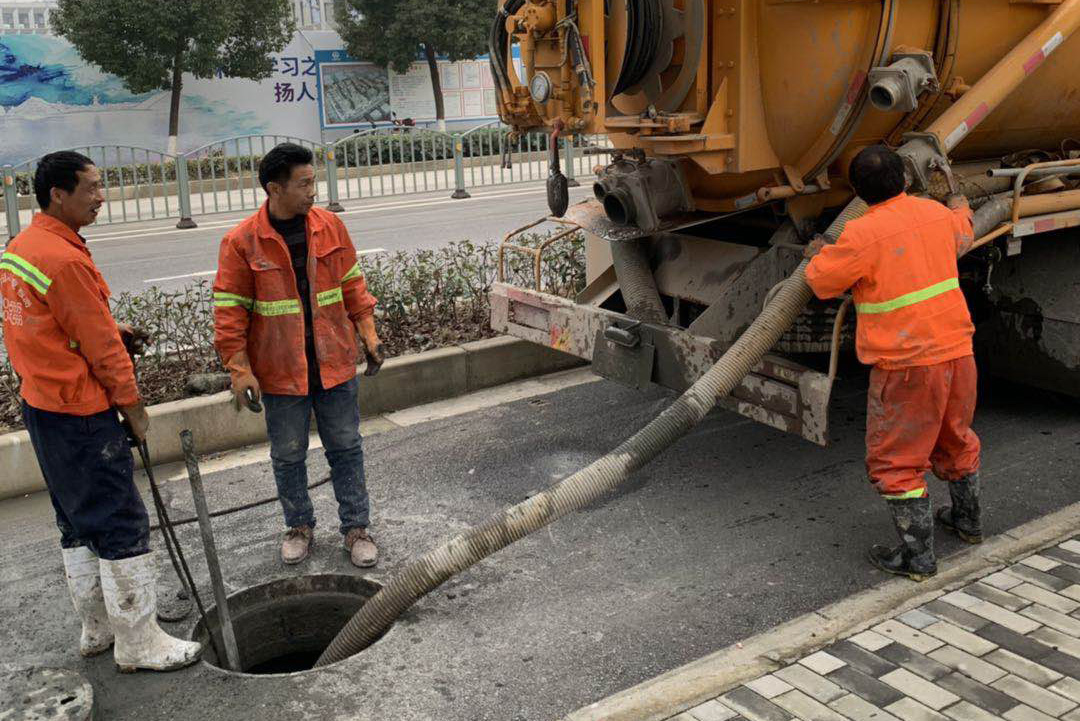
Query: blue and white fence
x: 144, y: 184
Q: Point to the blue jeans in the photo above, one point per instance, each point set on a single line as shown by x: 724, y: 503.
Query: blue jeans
x: 88, y: 468
x: 288, y: 423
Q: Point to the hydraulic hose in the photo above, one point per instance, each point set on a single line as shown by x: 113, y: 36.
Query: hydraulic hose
x: 636, y: 281
x: 587, y: 485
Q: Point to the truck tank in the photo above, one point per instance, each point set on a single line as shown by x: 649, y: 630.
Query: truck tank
x: 729, y: 126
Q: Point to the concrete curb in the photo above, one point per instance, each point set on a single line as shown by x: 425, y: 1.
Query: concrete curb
x: 403, y: 382
x: 682, y: 688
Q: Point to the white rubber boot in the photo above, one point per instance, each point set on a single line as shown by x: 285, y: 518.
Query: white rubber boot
x: 128, y: 586
x: 84, y: 582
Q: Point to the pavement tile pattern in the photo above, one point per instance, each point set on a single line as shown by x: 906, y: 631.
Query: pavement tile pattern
x: 1004, y: 647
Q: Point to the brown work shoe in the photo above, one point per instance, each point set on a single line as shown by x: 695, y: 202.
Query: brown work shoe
x: 297, y: 544
x: 361, y: 546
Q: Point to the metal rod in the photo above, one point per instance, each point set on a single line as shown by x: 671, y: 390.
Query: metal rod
x: 1036, y: 173
x: 187, y: 442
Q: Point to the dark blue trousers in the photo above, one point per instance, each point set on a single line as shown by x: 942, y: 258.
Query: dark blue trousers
x: 88, y: 467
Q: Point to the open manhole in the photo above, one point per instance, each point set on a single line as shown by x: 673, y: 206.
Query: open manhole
x: 283, y: 626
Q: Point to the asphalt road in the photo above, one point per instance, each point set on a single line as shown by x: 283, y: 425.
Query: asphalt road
x: 733, y: 530
x: 136, y: 256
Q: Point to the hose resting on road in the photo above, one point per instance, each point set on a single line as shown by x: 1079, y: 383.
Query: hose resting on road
x: 587, y: 485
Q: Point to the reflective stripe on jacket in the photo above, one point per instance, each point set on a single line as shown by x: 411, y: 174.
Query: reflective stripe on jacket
x: 899, y: 260
x: 257, y: 305
x: 58, y: 330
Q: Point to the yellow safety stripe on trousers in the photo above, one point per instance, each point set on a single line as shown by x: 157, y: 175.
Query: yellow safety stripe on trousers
x: 26, y: 270
x: 329, y: 297
x: 354, y: 272
x: 907, y: 299
x: 277, y: 307
x: 228, y: 300
x: 917, y: 493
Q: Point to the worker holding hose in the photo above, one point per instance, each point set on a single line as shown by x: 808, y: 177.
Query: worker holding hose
x: 914, y: 328
x: 75, y: 375
x: 289, y: 303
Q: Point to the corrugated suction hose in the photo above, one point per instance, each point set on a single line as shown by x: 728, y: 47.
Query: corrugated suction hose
x: 992, y: 213
x: 636, y: 281
x: 429, y: 571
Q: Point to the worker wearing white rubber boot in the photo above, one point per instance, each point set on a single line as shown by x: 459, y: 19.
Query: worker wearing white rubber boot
x: 84, y: 582
x: 128, y: 586
x: 76, y: 376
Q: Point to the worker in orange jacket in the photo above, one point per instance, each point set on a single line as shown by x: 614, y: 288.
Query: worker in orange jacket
x: 75, y: 375
x: 289, y: 302
x: 914, y: 328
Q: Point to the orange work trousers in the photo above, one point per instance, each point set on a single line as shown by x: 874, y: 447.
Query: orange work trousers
x: 919, y: 419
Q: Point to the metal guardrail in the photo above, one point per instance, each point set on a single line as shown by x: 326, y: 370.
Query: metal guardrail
x: 222, y: 176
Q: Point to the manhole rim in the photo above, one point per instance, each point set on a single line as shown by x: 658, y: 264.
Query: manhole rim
x: 193, y: 635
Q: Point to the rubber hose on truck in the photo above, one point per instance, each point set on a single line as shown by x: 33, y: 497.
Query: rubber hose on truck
x: 992, y: 213
x: 429, y: 571
x: 636, y: 281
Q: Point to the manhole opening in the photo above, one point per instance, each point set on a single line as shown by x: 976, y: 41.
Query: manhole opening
x: 283, y: 626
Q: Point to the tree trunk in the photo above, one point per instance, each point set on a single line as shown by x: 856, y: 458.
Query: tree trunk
x: 436, y: 86
x: 174, y: 106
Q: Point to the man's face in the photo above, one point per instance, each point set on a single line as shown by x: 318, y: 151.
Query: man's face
x: 80, y: 207
x: 296, y: 195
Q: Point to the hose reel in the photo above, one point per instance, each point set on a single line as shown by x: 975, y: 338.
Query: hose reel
x: 642, y: 35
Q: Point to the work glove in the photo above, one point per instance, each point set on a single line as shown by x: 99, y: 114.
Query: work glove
x: 375, y: 358
x: 374, y: 351
x: 134, y: 339
x: 245, y: 387
x: 956, y: 200
x: 814, y: 246
x: 136, y: 421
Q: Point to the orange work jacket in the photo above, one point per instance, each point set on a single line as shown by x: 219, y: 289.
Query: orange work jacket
x: 58, y: 330
x: 899, y: 260
x: 257, y: 304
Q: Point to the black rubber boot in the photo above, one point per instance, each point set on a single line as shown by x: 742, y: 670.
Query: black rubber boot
x: 963, y: 518
x: 914, y: 557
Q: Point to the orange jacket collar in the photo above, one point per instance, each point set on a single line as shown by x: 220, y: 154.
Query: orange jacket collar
x: 57, y: 227
x: 263, y: 228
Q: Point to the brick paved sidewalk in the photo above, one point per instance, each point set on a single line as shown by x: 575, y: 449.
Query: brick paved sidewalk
x: 1004, y: 647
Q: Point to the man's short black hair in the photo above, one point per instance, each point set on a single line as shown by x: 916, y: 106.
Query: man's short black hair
x: 58, y: 170
x: 877, y: 174
x: 277, y: 165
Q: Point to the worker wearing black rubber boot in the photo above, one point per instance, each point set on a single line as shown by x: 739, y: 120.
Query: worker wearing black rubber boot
x: 963, y: 518
x: 914, y: 328
x: 914, y: 557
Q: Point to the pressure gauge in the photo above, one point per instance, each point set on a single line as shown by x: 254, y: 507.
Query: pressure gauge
x: 540, y: 87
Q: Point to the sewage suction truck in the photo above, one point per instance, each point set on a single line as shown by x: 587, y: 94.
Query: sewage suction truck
x: 730, y: 125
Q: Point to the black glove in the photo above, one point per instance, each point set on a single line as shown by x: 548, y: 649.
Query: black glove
x: 134, y: 340
x: 374, y: 360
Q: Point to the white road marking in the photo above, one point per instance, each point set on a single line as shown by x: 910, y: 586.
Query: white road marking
x: 178, y: 277
x: 146, y: 233
x: 367, y: 251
